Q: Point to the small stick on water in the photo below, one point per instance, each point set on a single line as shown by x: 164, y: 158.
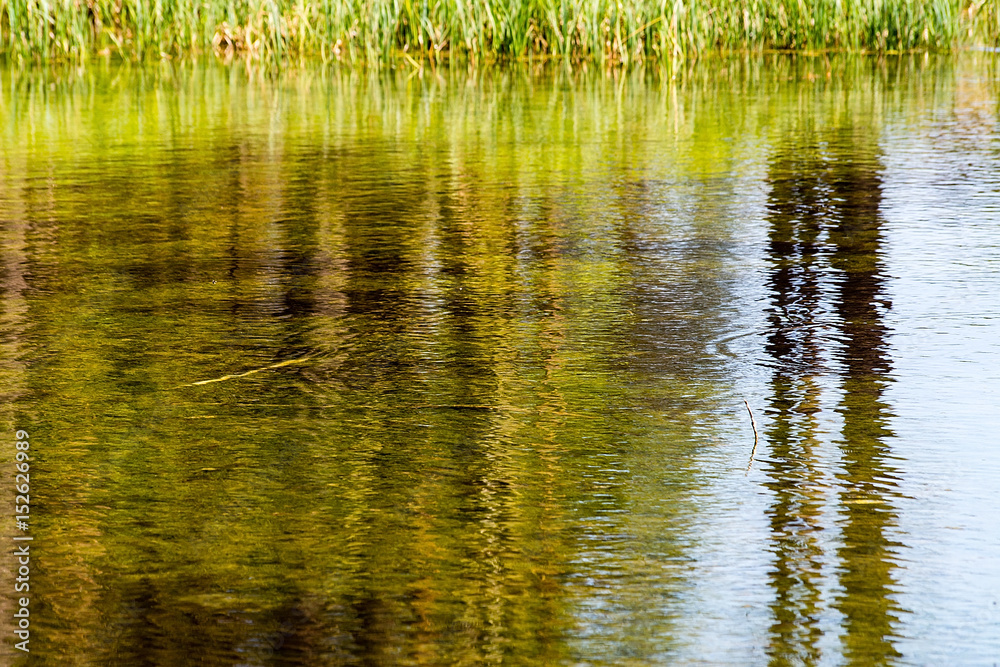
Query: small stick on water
x: 235, y: 376
x: 753, y: 425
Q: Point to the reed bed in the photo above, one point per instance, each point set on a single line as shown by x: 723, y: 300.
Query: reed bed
x: 413, y: 32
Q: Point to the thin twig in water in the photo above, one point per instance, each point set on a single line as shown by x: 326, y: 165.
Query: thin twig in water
x: 241, y: 375
x: 753, y: 425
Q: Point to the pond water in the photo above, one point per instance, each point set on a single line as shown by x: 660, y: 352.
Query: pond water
x: 449, y: 367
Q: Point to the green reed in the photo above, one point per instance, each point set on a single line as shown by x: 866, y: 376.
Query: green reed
x: 415, y: 31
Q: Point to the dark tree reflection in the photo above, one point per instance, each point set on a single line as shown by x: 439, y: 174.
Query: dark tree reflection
x: 867, y: 554
x: 826, y: 318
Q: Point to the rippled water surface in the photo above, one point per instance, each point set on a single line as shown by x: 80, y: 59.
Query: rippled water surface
x: 450, y: 368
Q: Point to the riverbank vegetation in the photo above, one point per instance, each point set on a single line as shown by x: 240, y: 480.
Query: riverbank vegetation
x: 415, y: 31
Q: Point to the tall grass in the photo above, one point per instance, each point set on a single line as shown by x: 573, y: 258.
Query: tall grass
x: 413, y: 31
